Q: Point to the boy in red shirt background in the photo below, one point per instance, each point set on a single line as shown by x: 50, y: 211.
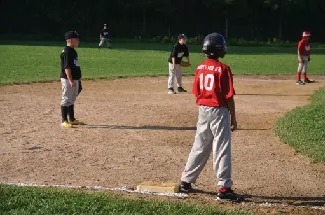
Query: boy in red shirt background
x: 214, y: 91
x: 303, y: 59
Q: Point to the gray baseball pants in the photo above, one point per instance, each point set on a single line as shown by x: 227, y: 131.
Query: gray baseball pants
x: 172, y: 73
x: 213, y: 134
x: 69, y: 94
x: 302, y: 67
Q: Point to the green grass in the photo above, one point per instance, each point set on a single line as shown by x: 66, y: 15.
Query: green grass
x: 23, y: 62
x: 26, y: 200
x: 303, y: 128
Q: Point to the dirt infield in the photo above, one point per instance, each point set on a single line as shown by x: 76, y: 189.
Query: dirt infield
x: 137, y: 132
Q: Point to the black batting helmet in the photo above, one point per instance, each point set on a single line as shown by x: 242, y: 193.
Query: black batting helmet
x: 214, y: 44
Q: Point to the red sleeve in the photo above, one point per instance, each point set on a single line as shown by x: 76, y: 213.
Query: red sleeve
x: 196, y: 84
x: 227, y: 83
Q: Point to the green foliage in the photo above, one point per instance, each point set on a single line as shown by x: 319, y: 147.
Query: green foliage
x: 26, y: 200
x: 303, y: 128
x: 252, y: 20
x: 39, y: 61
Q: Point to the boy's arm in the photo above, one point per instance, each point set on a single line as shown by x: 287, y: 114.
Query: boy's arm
x: 173, y: 62
x: 232, y: 109
x: 69, y: 76
x: 187, y: 55
x: 229, y: 92
x: 299, y: 55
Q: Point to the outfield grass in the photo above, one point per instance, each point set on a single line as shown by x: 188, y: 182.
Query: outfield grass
x: 23, y: 62
x: 303, y: 128
x: 26, y: 200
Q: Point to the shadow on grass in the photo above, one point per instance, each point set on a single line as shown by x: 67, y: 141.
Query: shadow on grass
x: 236, y: 50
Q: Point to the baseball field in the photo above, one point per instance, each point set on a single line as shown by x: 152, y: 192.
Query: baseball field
x: 136, y: 132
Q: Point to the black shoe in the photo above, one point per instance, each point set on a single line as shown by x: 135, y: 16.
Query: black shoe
x: 185, y: 187
x: 229, y: 195
x: 181, y: 90
x: 171, y: 91
x: 308, y: 81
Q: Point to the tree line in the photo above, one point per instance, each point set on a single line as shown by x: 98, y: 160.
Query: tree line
x: 247, y: 19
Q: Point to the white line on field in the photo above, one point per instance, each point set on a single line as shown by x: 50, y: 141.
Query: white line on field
x: 125, y: 189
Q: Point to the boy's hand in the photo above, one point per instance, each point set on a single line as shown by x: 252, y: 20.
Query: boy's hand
x: 72, y: 84
x: 233, y: 124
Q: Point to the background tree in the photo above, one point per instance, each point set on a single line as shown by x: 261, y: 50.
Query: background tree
x: 247, y: 19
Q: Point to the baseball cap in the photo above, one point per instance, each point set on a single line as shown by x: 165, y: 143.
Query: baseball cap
x: 306, y: 34
x: 182, y: 36
x: 71, y: 34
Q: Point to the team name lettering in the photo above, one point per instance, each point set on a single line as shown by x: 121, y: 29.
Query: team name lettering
x: 210, y: 68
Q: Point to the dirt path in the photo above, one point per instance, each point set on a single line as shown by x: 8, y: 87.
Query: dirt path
x: 136, y: 132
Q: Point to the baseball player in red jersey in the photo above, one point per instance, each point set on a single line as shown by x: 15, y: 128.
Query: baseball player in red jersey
x: 303, y: 59
x: 214, y: 91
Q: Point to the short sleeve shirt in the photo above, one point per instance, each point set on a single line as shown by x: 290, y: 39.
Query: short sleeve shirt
x: 304, y: 47
x: 69, y: 60
x: 178, y: 52
x: 104, y: 33
x: 213, y: 84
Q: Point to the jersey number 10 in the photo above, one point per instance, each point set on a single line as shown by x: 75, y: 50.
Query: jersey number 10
x: 206, y: 82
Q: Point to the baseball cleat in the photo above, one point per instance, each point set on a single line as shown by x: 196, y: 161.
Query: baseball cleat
x: 171, y: 91
x: 66, y: 124
x: 227, y: 194
x: 181, y: 90
x: 309, y: 81
x: 185, y: 187
x: 77, y: 122
x: 300, y: 82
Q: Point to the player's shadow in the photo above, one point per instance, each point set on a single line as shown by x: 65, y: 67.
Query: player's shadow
x: 295, y: 200
x: 144, y: 127
x: 158, y: 127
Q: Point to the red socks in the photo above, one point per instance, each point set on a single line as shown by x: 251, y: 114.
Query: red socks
x: 305, y: 76
x: 299, y: 76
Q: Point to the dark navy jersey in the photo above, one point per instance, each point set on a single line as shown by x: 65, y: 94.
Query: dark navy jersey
x: 104, y: 33
x: 179, y: 51
x: 69, y: 60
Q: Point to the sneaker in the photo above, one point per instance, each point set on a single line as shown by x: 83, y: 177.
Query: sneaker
x: 171, y: 91
x: 185, y: 187
x: 181, y: 90
x: 66, y: 124
x: 228, y: 195
x: 300, y: 82
x: 309, y: 81
x: 77, y: 122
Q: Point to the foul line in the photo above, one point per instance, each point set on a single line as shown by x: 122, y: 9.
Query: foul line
x: 125, y: 189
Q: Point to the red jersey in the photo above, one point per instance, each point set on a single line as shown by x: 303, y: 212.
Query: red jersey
x: 213, y: 84
x: 304, y: 47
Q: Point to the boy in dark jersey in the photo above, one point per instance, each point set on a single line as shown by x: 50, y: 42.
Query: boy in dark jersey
x: 104, y: 38
x: 179, y: 51
x: 70, y: 79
